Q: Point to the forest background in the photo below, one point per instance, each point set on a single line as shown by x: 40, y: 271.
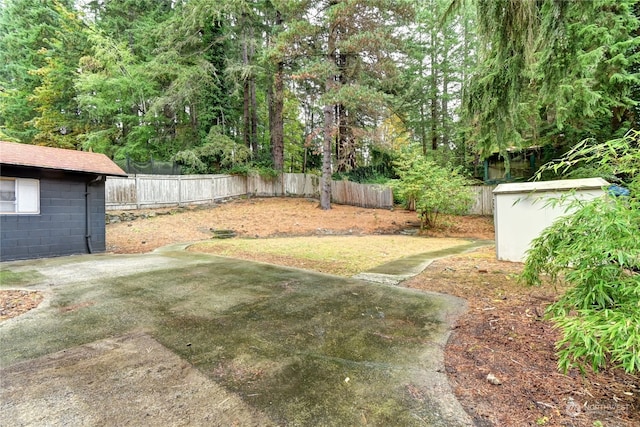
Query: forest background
x: 347, y: 87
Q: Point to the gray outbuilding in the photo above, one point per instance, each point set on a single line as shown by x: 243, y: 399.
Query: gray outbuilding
x: 52, y: 201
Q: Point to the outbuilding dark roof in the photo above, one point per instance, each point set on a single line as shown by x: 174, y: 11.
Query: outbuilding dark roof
x: 36, y: 156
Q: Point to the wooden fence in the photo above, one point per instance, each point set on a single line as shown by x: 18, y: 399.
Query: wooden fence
x: 365, y: 195
x: 156, y: 191
x: 484, y: 200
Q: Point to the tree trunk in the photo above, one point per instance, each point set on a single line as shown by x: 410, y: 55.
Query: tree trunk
x: 423, y: 130
x: 246, y: 132
x: 249, y: 112
x: 277, y: 106
x: 277, y: 132
x: 434, y: 124
x: 325, y: 190
x: 444, y: 114
x: 254, y: 115
x: 423, y: 118
x: 345, y: 144
x: 434, y: 92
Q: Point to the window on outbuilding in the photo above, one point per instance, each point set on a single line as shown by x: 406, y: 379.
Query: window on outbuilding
x: 19, y: 196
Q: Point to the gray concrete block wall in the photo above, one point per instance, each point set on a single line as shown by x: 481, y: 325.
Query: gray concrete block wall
x: 60, y: 227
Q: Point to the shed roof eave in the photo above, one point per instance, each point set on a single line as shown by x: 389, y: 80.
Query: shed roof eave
x: 34, y: 156
x: 551, y: 186
x: 80, y: 172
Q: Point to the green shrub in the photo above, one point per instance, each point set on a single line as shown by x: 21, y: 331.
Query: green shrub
x: 596, y: 250
x: 218, y: 153
x: 431, y: 189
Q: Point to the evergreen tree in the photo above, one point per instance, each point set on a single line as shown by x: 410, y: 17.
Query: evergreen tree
x: 190, y: 66
x: 59, y: 121
x: 439, y: 64
x: 553, y: 72
x: 347, y: 49
x: 275, y: 90
x: 587, y: 70
x: 115, y: 86
x: 114, y: 91
x: 27, y: 28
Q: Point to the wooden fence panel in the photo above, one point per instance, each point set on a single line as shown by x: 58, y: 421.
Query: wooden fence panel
x: 157, y: 190
x: 301, y: 184
x: 263, y: 187
x: 365, y: 195
x: 120, y: 193
x: 225, y: 186
x: 195, y: 189
x: 484, y: 200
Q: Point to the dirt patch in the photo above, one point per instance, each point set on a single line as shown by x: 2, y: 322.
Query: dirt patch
x: 273, y: 217
x: 15, y: 302
x: 152, y: 386
x: 505, y: 334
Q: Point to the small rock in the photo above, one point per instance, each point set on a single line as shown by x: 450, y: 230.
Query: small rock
x: 492, y: 379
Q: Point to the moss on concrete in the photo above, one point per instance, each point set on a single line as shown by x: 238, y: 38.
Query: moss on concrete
x: 306, y: 348
x: 12, y: 279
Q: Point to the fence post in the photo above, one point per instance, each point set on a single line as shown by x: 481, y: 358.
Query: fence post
x: 213, y: 196
x: 282, y: 188
x: 137, y: 184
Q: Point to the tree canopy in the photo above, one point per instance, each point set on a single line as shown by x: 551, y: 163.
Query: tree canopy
x: 313, y: 86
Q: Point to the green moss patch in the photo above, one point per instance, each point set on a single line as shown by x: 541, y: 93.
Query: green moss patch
x: 12, y: 279
x: 306, y: 348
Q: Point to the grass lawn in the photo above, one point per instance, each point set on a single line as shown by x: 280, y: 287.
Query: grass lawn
x: 339, y: 255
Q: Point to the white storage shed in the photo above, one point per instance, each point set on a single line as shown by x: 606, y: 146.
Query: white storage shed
x: 522, y: 211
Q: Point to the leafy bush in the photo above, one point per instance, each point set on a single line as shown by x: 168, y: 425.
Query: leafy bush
x: 219, y: 152
x: 363, y: 175
x: 190, y: 162
x: 596, y: 250
x: 431, y: 189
